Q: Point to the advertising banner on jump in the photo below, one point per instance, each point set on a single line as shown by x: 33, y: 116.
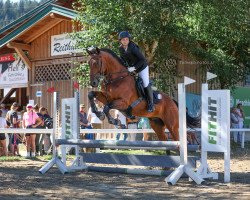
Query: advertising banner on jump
x: 215, y: 120
x: 13, y: 72
x: 69, y: 121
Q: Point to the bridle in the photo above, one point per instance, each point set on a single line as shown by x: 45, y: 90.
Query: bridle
x: 107, y: 78
x: 100, y: 65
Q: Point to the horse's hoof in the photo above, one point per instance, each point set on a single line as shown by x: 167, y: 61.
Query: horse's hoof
x: 116, y: 122
x: 101, y: 116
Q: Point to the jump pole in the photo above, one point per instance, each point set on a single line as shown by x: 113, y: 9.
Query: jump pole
x: 183, y: 168
x: 55, y: 159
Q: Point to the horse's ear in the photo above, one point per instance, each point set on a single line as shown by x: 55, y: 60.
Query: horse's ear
x: 98, y: 50
x: 89, y: 50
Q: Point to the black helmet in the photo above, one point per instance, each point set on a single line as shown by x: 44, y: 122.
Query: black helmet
x: 124, y: 34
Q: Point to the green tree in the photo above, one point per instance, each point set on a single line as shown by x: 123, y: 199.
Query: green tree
x: 210, y: 30
x: 21, y: 9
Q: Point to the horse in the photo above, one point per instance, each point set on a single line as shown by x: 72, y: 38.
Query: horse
x: 118, y: 91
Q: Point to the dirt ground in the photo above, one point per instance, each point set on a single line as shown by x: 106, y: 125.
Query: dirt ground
x: 21, y: 180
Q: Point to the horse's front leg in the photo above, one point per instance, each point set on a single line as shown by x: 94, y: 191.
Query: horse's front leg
x: 106, y: 110
x: 116, y: 104
x: 100, y: 97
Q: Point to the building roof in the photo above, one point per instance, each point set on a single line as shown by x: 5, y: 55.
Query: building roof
x: 22, y: 27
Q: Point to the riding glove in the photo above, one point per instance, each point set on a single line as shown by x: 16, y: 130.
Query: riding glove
x: 131, y: 69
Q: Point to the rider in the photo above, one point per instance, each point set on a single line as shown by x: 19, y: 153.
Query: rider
x: 135, y: 61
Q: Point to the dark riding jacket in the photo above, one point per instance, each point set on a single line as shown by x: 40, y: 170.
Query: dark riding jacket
x: 133, y: 57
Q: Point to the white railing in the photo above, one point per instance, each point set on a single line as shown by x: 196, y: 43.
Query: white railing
x: 103, y: 131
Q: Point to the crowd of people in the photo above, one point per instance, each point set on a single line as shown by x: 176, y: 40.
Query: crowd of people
x: 37, y: 117
x: 33, y: 117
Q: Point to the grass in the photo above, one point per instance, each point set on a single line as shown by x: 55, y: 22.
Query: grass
x: 235, y: 151
x: 11, y: 158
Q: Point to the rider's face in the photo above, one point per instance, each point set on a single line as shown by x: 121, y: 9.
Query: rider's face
x: 124, y: 41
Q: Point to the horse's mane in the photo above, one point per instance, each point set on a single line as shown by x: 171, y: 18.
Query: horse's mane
x: 114, y: 55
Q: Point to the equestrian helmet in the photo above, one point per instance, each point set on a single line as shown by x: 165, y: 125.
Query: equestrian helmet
x: 124, y: 34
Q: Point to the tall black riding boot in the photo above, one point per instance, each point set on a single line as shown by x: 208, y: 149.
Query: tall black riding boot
x: 149, y: 94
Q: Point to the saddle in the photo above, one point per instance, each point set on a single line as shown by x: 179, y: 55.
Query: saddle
x: 141, y: 91
x: 142, y: 96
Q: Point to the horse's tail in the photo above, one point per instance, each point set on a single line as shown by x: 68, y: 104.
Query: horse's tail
x: 192, y: 122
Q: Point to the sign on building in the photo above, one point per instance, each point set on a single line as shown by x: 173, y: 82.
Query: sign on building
x: 63, y: 44
x: 38, y: 93
x: 13, y: 72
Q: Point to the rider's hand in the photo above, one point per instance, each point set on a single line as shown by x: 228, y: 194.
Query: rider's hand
x: 131, y: 69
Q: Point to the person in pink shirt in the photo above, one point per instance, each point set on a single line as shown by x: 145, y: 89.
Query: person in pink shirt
x: 31, y: 120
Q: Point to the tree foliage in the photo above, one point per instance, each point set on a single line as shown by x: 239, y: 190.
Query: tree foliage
x: 9, y: 11
x: 212, y: 31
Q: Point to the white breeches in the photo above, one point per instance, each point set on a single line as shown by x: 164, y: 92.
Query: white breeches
x: 144, y: 74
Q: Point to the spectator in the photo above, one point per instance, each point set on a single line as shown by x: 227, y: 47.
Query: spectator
x: 234, y: 122
x: 144, y: 124
x: 31, y: 120
x: 132, y: 124
x: 84, y: 123
x: 241, y: 116
x: 95, y: 122
x: 38, y: 136
x: 13, y: 122
x: 44, y: 142
x: 3, y: 124
x: 4, y: 110
x: 122, y: 124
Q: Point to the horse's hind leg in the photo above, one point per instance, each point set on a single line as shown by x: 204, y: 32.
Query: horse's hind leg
x: 159, y: 128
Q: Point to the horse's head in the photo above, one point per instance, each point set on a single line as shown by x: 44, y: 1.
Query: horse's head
x: 96, y: 65
x: 103, y: 62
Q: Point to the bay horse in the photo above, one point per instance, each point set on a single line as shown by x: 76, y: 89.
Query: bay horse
x: 118, y: 91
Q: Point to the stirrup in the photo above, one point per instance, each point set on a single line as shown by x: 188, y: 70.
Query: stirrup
x: 150, y: 107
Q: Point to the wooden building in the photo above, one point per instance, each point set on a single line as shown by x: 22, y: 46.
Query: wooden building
x: 35, y: 37
x: 31, y: 38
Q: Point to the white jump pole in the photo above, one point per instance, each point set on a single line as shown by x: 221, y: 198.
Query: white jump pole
x: 183, y: 168
x: 55, y: 159
x: 77, y: 163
